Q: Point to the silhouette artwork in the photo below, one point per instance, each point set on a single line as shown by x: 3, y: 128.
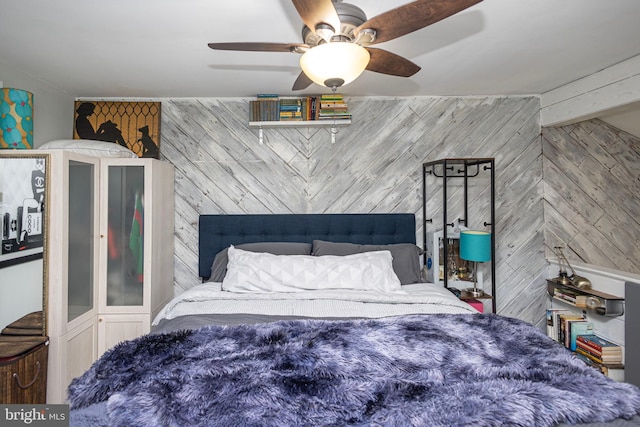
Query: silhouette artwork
x: 108, y: 131
x: 149, y: 148
x: 134, y: 125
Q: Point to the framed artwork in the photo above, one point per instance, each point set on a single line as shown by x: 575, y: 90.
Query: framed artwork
x: 23, y: 190
x: 135, y: 125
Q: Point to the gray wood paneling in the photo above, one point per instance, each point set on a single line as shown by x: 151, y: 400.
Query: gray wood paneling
x: 375, y: 166
x: 591, y: 175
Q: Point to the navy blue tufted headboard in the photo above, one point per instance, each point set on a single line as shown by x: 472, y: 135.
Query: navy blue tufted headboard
x: 217, y: 232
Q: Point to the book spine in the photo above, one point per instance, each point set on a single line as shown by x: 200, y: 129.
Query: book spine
x: 585, y: 353
x: 582, y: 338
x: 564, y: 328
x: 567, y: 335
x: 334, y: 110
x: 314, y: 108
x: 589, y: 349
x: 333, y: 105
x: 550, y: 323
x: 253, y: 111
x: 557, y: 327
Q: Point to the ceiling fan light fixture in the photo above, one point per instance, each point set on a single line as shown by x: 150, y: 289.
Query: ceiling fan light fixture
x: 325, y: 31
x: 330, y: 63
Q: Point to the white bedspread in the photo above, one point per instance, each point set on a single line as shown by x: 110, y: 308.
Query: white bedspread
x: 419, y: 298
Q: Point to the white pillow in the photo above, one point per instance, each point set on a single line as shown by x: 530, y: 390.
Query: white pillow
x: 264, y: 272
x: 89, y: 147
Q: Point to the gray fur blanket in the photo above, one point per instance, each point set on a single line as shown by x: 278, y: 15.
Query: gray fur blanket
x: 418, y: 370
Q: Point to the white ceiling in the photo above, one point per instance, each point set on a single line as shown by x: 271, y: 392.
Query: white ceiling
x: 158, y: 48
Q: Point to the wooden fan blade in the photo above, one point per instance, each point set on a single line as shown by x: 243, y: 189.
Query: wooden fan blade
x: 314, y: 12
x: 258, y: 47
x: 386, y: 62
x: 412, y: 16
x: 302, y: 82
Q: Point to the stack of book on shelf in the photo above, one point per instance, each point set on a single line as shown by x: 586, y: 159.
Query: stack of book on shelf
x: 333, y: 107
x: 601, y: 354
x: 570, y: 296
x: 598, y: 349
x: 266, y: 108
x: 577, y: 334
x: 270, y: 107
x: 291, y: 109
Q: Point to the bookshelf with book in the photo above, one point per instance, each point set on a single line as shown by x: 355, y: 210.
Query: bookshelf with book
x: 272, y: 110
x: 577, y: 334
x: 597, y: 302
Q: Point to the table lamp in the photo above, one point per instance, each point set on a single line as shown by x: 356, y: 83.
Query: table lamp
x: 16, y: 118
x: 475, y: 246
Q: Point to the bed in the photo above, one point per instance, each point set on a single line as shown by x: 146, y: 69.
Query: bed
x: 324, y: 320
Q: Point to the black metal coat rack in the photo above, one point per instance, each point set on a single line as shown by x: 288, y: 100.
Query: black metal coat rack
x: 465, y: 169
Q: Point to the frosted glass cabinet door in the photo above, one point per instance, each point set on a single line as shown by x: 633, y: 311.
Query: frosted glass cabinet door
x: 81, y: 238
x: 125, y: 245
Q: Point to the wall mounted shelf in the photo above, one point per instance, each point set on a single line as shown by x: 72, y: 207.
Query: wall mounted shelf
x: 299, y: 123
x: 333, y: 124
x: 598, y: 302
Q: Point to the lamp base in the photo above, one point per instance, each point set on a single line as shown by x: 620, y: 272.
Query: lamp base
x: 474, y: 292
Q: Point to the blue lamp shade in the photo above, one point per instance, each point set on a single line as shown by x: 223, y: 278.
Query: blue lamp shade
x: 475, y: 245
x: 16, y: 118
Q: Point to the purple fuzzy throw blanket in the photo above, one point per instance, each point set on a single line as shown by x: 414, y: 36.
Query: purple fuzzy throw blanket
x: 417, y: 370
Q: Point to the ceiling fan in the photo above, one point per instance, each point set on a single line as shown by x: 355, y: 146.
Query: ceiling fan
x: 336, y: 38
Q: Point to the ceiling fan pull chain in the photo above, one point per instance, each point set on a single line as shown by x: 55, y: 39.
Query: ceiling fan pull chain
x: 334, y: 130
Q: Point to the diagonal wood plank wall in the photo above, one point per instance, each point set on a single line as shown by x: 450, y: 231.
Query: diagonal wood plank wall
x: 591, y: 186
x: 375, y: 166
